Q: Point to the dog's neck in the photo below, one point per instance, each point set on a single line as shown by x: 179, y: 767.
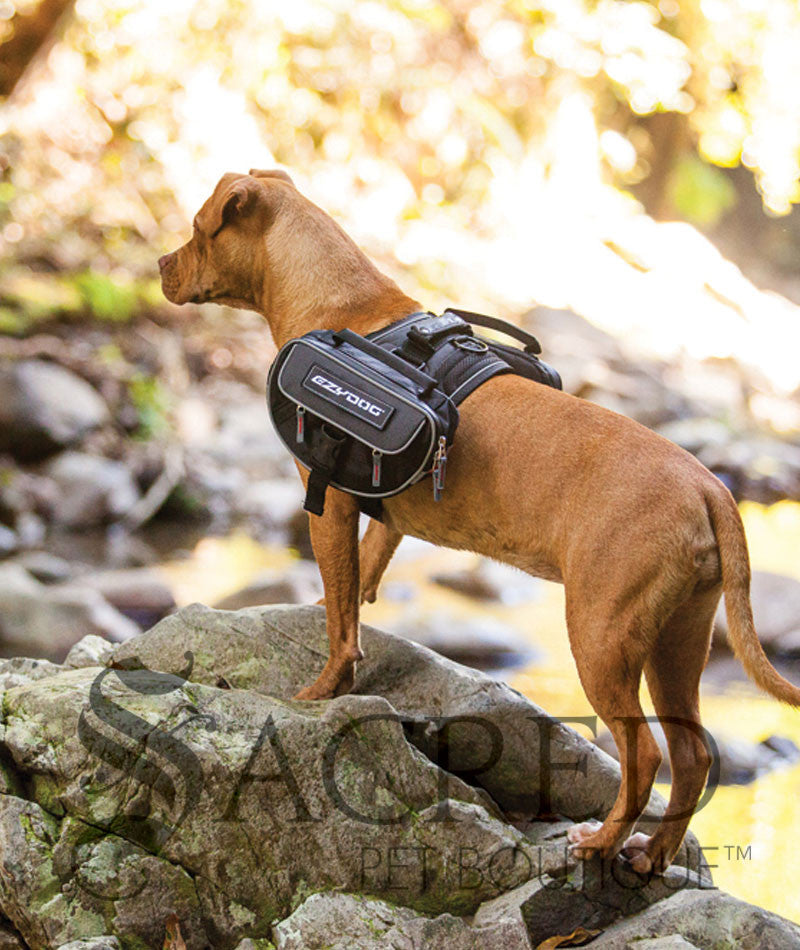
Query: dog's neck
x: 363, y: 316
x: 347, y: 290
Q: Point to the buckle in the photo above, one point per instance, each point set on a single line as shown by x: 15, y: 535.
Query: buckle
x: 421, y: 337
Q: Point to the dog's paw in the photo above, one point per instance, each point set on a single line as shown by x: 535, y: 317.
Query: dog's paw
x: 635, y: 853
x: 314, y: 692
x: 580, y: 838
x: 329, y: 685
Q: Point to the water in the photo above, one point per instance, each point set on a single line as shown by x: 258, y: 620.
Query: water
x: 750, y: 832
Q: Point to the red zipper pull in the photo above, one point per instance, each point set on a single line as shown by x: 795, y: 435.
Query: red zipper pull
x: 301, y: 424
x: 377, y: 455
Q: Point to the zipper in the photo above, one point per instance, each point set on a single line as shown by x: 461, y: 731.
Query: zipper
x: 377, y: 456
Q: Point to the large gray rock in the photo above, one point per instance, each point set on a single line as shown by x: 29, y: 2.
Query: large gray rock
x: 298, y: 584
x: 492, y: 581
x: 91, y: 489
x: 738, y: 761
x: 44, y: 407
x: 468, y: 717
x: 707, y: 919
x: 351, y: 922
x: 776, y: 611
x: 9, y: 542
x: 223, y: 806
x: 45, y: 621
x: 93, y: 943
x: 183, y: 782
x: 141, y: 594
x: 481, y: 642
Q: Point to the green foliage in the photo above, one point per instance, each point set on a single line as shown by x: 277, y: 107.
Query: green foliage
x: 12, y: 322
x: 106, y: 299
x: 152, y: 403
x: 406, y: 112
x: 700, y: 192
x: 29, y: 298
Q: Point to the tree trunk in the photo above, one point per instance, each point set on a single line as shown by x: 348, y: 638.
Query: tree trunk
x: 29, y: 33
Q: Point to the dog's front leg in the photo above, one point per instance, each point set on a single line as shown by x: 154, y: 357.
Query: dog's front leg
x: 334, y: 538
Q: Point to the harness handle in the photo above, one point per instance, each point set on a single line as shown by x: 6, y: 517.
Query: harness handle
x: 426, y: 382
x: 528, y: 340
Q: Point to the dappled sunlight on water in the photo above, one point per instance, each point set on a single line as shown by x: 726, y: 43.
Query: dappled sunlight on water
x: 751, y: 831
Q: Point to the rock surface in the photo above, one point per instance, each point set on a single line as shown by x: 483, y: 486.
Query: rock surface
x: 481, y: 642
x: 141, y: 594
x: 737, y: 761
x: 48, y: 620
x: 183, y: 782
x: 298, y: 584
x: 44, y: 407
x: 91, y: 489
x: 776, y: 611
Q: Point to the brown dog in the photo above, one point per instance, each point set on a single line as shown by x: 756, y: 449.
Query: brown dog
x: 644, y: 538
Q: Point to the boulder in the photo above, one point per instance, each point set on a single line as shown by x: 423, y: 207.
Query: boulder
x: 739, y: 761
x: 91, y: 650
x: 46, y: 567
x: 277, y: 650
x: 776, y: 611
x: 91, y: 489
x: 141, y: 594
x: 93, y: 943
x: 352, y: 922
x: 21, y: 669
x: 182, y: 783
x: 481, y: 642
x: 491, y: 581
x: 298, y: 584
x: 44, y: 408
x: 242, y: 803
x: 9, y: 542
x: 46, y: 621
x: 271, y: 503
x: 705, y: 919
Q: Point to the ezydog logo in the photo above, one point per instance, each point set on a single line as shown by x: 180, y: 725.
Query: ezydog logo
x: 346, y: 397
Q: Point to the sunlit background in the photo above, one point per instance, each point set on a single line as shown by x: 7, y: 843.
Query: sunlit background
x: 637, y: 163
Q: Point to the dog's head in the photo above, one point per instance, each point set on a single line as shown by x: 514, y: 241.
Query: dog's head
x: 216, y: 264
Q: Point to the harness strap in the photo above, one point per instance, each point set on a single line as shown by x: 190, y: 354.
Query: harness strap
x: 528, y: 340
x: 324, y: 455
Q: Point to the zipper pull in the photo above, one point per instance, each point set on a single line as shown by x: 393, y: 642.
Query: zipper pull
x: 439, y: 465
x: 301, y: 424
x: 377, y: 455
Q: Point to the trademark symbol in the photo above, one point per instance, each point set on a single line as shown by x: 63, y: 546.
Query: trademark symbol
x: 736, y: 852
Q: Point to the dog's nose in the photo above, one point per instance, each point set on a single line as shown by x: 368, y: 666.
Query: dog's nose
x: 163, y: 261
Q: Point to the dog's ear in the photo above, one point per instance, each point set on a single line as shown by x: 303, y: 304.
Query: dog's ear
x: 237, y: 199
x: 271, y: 173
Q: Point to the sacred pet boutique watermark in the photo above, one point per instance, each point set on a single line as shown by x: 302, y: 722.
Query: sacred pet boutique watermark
x: 150, y: 733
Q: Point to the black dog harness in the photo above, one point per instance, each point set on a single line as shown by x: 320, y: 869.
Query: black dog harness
x: 373, y: 415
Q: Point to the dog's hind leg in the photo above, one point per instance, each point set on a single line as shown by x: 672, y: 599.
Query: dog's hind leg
x: 377, y: 547
x: 610, y: 670
x: 673, y: 678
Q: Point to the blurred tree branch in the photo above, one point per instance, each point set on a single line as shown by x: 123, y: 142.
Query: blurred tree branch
x: 27, y: 34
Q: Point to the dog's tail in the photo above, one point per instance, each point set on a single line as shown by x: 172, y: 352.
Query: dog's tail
x: 732, y: 544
